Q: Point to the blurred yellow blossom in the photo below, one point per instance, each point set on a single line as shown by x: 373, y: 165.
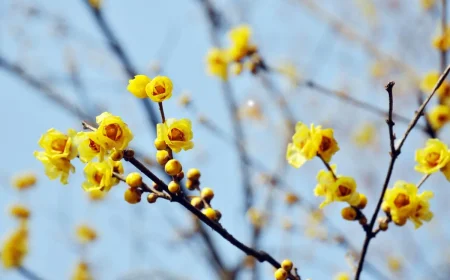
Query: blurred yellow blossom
x: 176, y: 133
x: 55, y: 168
x: 85, y: 234
x: 98, y: 176
x: 95, y: 4
x: 112, y: 132
x: 394, y: 263
x: 96, y: 195
x: 87, y: 147
x: 137, y: 86
x: 217, y: 63
x: 289, y: 70
x: 24, y: 180
x: 442, y: 41
x: 427, y: 4
x: 433, y: 157
x: 365, y: 135
x: 402, y: 202
x: 15, y: 247
x: 256, y: 217
x: 240, y: 42
x: 159, y: 89
x: 19, y: 211
x: 377, y: 69
x: 342, y: 276
x: 82, y: 272
x: 438, y: 116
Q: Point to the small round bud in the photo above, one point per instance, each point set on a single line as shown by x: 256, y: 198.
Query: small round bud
x: 362, y: 201
x: 193, y: 174
x: 210, y: 213
x: 174, y: 187
x: 116, y: 155
x: 132, y: 196
x: 385, y: 207
x: 197, y: 203
x: 127, y: 154
x: 191, y: 185
x: 280, y: 274
x: 173, y: 167
x: 162, y: 157
x: 384, y: 225
x: 400, y: 222
x: 291, y: 199
x: 151, y: 198
x: 160, y: 144
x: 218, y: 215
x: 287, y: 265
x: 207, y: 194
x: 134, y: 180
x: 348, y: 213
x: 363, y: 220
x: 180, y: 176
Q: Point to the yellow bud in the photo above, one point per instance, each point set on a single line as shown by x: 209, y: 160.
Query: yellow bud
x: 291, y: 198
x: 210, y: 213
x: 384, y: 225
x: 116, y: 155
x: 385, y: 207
x: 151, y: 198
x: 191, y: 185
x: 160, y: 144
x: 162, y: 157
x: 193, y: 174
x: 173, y: 167
x: 348, y: 213
x: 197, y: 203
x: 236, y: 68
x: 400, y: 221
x: 281, y: 274
x: 20, y: 211
x: 174, y: 187
x: 134, y: 180
x: 207, y: 194
x: 362, y: 201
x: 132, y: 196
x: 287, y: 265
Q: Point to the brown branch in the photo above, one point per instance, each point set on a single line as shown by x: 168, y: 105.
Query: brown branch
x: 261, y: 256
x: 395, y: 152
x: 327, y: 165
x: 443, y: 53
x: 424, y: 178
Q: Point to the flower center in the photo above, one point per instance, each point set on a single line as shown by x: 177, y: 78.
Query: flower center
x: 401, y: 200
x: 176, y: 135
x: 159, y: 90
x: 58, y: 145
x: 442, y: 118
x: 325, y: 144
x: 98, y: 177
x: 432, y: 158
x: 94, y: 146
x: 343, y: 191
x: 113, y: 131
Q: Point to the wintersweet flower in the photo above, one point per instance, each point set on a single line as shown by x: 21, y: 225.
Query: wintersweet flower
x: 98, y: 176
x: 88, y: 149
x: 58, y: 145
x: 217, y: 63
x: 402, y: 202
x: 112, y: 132
x: 24, y: 181
x: 15, y: 248
x: 300, y: 150
x: 324, y: 142
x: 159, y: 89
x: 428, y: 83
x: 56, y: 167
x: 117, y: 167
x: 85, y: 234
x: 176, y: 133
x: 433, y: 157
x: 137, y: 86
x: 240, y: 42
x: 439, y: 116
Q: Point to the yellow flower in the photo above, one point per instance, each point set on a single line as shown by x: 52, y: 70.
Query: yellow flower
x: 299, y: 151
x: 57, y: 145
x: 433, y: 157
x: 159, y: 89
x: 427, y: 4
x: 341, y: 189
x: 289, y: 70
x: 323, y: 142
x: 137, y: 86
x: 342, y: 276
x: 82, y: 272
x: 98, y: 176
x: 112, y: 132
x: 256, y: 217
x: 442, y: 41
x: 176, y: 133
x: 439, y: 116
x: 117, y: 167
x: 24, y: 181
x: 240, y: 42
x: 217, y: 63
x: 96, y: 195
x: 20, y: 211
x: 394, y: 264
x: 85, y: 234
x: 365, y: 135
x: 403, y: 202
x: 87, y: 147
x: 95, y: 4
x: 55, y: 167
x: 15, y: 248
x: 377, y: 69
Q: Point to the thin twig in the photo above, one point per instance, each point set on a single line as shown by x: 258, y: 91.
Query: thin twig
x: 327, y: 165
x: 424, y: 178
x: 261, y: 256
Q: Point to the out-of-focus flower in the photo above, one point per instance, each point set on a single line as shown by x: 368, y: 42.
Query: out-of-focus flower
x: 15, y: 248
x: 427, y: 4
x: 394, y: 263
x: 176, y: 133
x: 112, y: 132
x: 85, y: 234
x: 251, y: 109
x: 256, y: 217
x: 342, y: 276
x: 96, y: 4
x: 377, y: 69
x: 82, y: 272
x: 430, y: 80
x: 19, y: 211
x: 290, y: 72
x: 217, y: 63
x: 24, y: 181
x: 365, y: 135
x: 438, y: 116
x: 159, y: 89
x: 240, y: 42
